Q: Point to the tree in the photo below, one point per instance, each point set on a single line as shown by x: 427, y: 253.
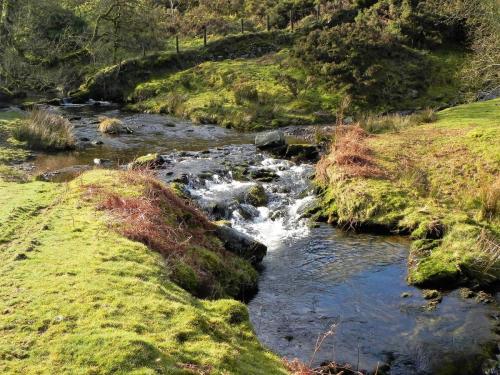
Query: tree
x: 482, y: 19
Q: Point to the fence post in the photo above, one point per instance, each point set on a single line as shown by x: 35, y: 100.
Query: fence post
x: 204, y: 36
x: 268, y: 23
x: 177, y: 43
x: 242, y: 26
x: 291, y: 19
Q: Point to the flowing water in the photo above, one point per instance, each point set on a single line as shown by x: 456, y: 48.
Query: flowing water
x: 315, y: 280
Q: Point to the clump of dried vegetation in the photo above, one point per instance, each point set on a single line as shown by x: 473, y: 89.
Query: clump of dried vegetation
x: 44, y: 130
x: 489, y: 200
x: 350, y: 155
x: 148, y: 218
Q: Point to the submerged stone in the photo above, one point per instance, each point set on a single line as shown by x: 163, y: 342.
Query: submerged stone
x: 432, y: 294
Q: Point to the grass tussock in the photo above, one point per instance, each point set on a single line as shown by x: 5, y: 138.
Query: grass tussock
x: 489, y: 200
x: 490, y: 252
x: 395, y: 122
x: 109, y: 125
x: 44, y: 130
x: 350, y: 154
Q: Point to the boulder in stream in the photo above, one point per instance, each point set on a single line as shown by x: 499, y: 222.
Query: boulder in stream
x: 149, y: 161
x: 240, y: 243
x: 256, y: 196
x: 306, y: 152
x: 274, y: 140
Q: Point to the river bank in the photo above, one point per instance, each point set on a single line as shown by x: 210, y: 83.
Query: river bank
x: 437, y: 182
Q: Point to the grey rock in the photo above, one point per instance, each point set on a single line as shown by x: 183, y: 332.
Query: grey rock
x: 270, y: 140
x: 240, y: 244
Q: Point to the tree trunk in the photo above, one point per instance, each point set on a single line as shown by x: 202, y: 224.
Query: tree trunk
x: 6, y: 7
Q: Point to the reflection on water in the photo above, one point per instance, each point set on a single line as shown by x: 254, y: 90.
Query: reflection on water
x: 356, y: 282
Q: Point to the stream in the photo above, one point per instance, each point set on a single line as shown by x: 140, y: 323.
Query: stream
x: 315, y: 279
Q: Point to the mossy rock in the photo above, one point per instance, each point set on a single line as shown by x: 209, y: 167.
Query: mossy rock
x: 113, y: 126
x: 257, y: 196
x: 305, y: 152
x: 149, y: 161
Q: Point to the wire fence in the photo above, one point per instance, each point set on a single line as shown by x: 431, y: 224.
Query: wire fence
x: 243, y: 26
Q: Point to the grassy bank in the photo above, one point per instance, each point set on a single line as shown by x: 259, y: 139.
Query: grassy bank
x: 437, y: 181
x: 82, y: 293
x: 276, y: 90
x: 245, y: 93
x: 116, y: 82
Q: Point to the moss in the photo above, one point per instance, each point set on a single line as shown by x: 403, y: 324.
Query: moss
x: 364, y: 204
x: 257, y: 196
x: 257, y: 93
x: 435, y: 177
x: 147, y: 161
x: 83, y: 299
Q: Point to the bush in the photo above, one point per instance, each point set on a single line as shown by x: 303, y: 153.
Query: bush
x: 370, y: 58
x: 44, y: 130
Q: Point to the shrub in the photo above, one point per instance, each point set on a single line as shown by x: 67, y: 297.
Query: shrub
x: 109, y: 125
x: 366, y: 58
x: 44, y: 130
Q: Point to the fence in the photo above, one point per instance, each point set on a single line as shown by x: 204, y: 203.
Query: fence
x: 291, y: 26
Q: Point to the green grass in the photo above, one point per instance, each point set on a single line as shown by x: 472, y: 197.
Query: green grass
x: 10, y: 149
x: 78, y: 298
x: 263, y: 92
x: 436, y: 175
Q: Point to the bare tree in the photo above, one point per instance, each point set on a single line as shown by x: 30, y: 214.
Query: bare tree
x: 482, y: 73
